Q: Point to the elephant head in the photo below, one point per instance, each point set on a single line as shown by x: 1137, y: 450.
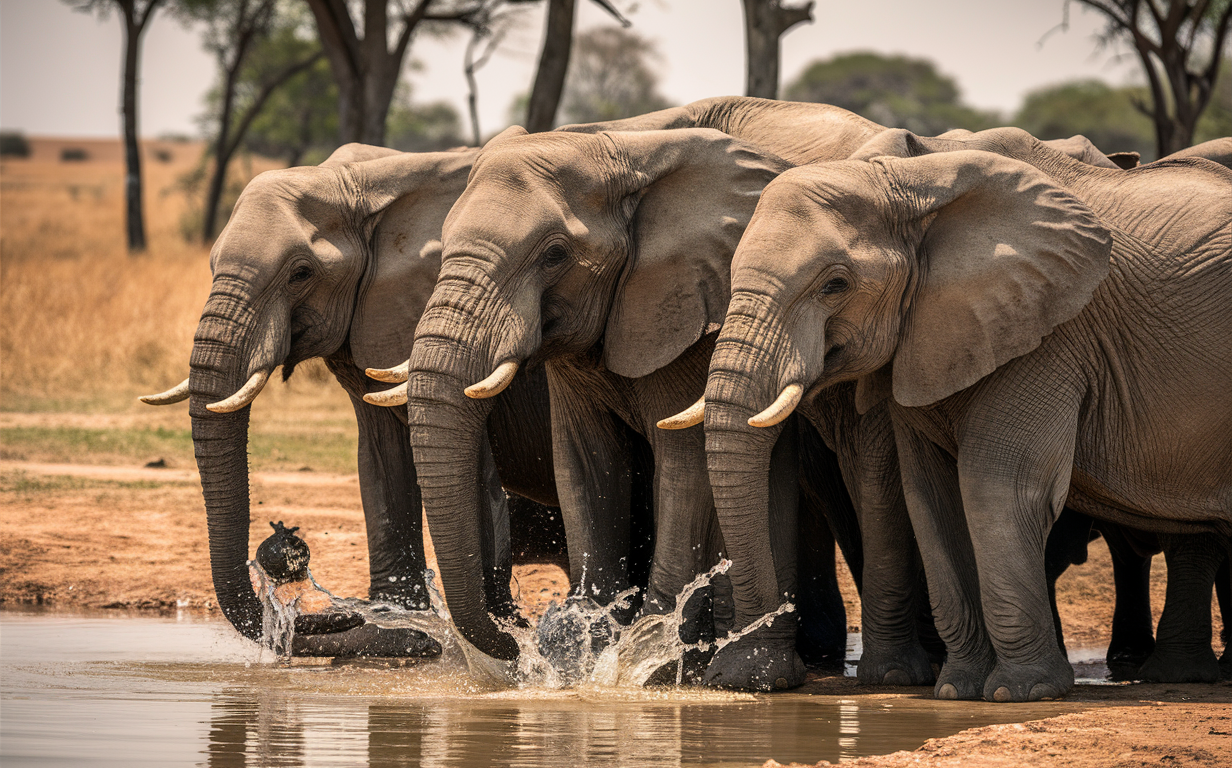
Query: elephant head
x: 314, y: 262
x: 913, y: 277
x: 612, y: 244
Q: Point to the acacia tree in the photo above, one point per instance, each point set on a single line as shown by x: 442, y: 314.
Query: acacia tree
x: 252, y: 65
x: 612, y: 76
x: 136, y: 15
x: 366, y: 68
x: 765, y: 23
x: 1180, y: 44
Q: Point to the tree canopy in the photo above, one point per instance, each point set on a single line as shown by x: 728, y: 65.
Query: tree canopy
x: 896, y: 91
x: 611, y: 75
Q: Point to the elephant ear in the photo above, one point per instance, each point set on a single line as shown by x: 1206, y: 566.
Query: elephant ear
x: 409, y: 197
x: 698, y: 189
x: 1005, y: 256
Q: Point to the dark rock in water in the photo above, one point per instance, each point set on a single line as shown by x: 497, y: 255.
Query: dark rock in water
x: 284, y: 556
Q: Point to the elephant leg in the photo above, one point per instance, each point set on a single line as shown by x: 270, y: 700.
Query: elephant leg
x: 1183, y: 652
x: 1066, y: 546
x: 1133, y: 627
x: 1013, y: 490
x: 593, y: 478
x: 392, y: 513
x: 935, y: 506
x: 825, y: 506
x: 684, y: 513
x: 494, y: 539
x: 894, y: 600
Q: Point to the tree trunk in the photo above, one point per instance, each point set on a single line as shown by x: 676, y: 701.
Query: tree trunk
x: 553, y: 66
x: 765, y: 21
x: 132, y: 149
x: 222, y: 155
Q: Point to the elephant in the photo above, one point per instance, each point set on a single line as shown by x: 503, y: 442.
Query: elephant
x: 1022, y: 317
x: 334, y: 261
x: 573, y: 280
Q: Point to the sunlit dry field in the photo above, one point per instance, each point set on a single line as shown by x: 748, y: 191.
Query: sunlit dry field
x: 87, y: 327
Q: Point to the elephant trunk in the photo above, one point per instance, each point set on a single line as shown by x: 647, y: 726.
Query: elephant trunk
x: 756, y: 519
x: 456, y: 346
x: 219, y: 367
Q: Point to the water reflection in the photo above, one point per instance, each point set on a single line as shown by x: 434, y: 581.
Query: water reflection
x: 88, y: 692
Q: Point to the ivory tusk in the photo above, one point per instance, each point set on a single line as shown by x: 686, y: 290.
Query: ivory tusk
x: 398, y: 373
x: 781, y: 408
x: 176, y: 394
x: 694, y: 414
x: 389, y: 397
x: 244, y: 397
x: 495, y: 383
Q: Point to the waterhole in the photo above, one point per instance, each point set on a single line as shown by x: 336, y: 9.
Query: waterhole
x: 86, y: 691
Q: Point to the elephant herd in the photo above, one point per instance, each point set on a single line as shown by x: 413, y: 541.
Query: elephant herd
x: 749, y: 329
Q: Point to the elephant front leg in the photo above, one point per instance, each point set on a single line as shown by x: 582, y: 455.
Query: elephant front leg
x: 593, y: 480
x: 1133, y: 627
x: 1013, y: 488
x: 392, y: 512
x: 935, y: 506
x: 494, y: 539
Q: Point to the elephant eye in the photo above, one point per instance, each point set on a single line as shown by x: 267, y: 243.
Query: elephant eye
x: 300, y: 275
x: 554, y: 254
x: 835, y: 285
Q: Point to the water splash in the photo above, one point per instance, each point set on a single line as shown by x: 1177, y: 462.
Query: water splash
x: 577, y: 643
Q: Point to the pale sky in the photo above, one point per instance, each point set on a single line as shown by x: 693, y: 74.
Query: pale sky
x: 60, y: 69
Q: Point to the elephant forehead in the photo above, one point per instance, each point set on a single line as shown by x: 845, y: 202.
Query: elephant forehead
x: 260, y: 232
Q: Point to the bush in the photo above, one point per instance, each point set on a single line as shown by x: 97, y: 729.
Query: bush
x: 13, y: 144
x: 73, y: 155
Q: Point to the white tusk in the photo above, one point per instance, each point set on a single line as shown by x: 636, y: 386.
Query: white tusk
x: 781, y: 408
x: 389, y: 397
x: 694, y: 414
x: 244, y: 397
x: 494, y: 384
x: 176, y: 394
x: 393, y: 375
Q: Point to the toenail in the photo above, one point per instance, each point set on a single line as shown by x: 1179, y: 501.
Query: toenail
x: 947, y: 691
x: 780, y: 683
x: 1002, y: 694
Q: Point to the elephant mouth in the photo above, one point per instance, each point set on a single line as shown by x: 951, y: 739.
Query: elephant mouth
x: 307, y: 335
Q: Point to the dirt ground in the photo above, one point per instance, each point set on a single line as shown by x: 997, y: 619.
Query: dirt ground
x: 129, y: 537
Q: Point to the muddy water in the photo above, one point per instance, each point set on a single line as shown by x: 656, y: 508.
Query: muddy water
x: 139, y: 691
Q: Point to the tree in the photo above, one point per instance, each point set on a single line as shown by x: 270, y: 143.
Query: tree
x: 896, y: 91
x: 765, y: 23
x: 136, y: 16
x: 240, y: 35
x: 1105, y: 115
x: 611, y: 77
x: 422, y: 127
x: 554, y: 62
x: 365, y: 68
x: 300, y: 120
x: 1180, y: 44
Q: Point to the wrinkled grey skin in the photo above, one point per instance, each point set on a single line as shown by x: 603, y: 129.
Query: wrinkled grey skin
x: 1023, y: 321
x: 334, y: 261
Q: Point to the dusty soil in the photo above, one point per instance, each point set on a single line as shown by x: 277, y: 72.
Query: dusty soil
x: 92, y: 536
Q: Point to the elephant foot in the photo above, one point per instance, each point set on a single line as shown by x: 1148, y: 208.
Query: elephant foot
x: 961, y: 680
x: 1049, y: 679
x: 692, y: 671
x: 1225, y: 664
x: 1125, y: 664
x: 1197, y: 665
x: 904, y: 665
x: 750, y: 666
x: 368, y: 640
x: 326, y: 623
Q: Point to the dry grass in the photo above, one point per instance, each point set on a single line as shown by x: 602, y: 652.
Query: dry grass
x: 86, y: 326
